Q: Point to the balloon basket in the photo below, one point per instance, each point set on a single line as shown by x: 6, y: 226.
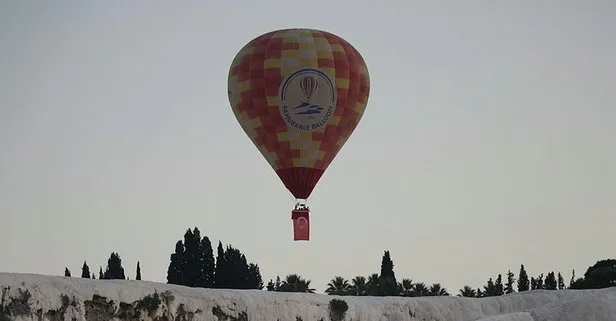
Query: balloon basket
x: 301, y: 223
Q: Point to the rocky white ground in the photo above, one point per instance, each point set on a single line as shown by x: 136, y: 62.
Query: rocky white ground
x: 38, y: 298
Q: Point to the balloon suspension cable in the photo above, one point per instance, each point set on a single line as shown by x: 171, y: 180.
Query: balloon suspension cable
x: 301, y: 204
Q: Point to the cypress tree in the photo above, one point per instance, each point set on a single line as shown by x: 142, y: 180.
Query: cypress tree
x: 138, y: 277
x: 207, y: 264
x: 271, y: 286
x: 255, y: 281
x: 523, y: 283
x: 220, y: 280
x: 539, y: 282
x: 85, y: 271
x: 236, y: 269
x: 175, y: 271
x: 191, y: 266
x: 114, y: 268
x: 510, y: 281
x: 550, y: 282
x: 490, y: 288
x: 499, y: 285
x: 561, y: 282
x: 388, y: 286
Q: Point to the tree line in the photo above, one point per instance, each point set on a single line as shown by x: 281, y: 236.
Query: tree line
x: 114, y: 270
x: 600, y: 275
x: 193, y: 264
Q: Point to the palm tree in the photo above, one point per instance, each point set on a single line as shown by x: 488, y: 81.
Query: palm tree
x: 420, y: 289
x: 407, y: 287
x: 468, y: 292
x: 373, y: 284
x: 295, y: 283
x: 338, y: 286
x: 437, y: 290
x: 359, y: 286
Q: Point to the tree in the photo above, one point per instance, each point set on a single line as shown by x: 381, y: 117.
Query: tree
x: 388, y: 286
x: 372, y: 284
x: 175, y: 272
x: 114, y: 268
x: 271, y: 286
x: 561, y: 282
x: 509, y: 284
x: 192, y: 263
x: 295, y: 283
x: 191, y: 268
x: 138, y: 276
x: 420, y: 289
x: 499, y: 285
x: 338, y: 286
x: 572, y: 278
x: 67, y: 272
x: 85, y: 271
x: 468, y: 292
x: 539, y: 281
x: 232, y: 270
x: 406, y: 287
x: 490, y: 289
x: 523, y: 283
x: 101, y: 276
x: 220, y: 277
x: 255, y: 281
x: 359, y: 286
x: 197, y: 260
x: 480, y: 293
x: 207, y: 264
x: 437, y: 290
x: 533, y: 283
x: 578, y: 284
x: 236, y: 270
x: 600, y: 275
x: 550, y: 282
x: 93, y: 276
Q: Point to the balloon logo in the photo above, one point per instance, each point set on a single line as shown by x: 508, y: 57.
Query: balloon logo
x: 309, y: 85
x: 298, y: 94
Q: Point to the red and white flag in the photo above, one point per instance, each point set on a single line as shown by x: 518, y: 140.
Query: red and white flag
x: 301, y: 225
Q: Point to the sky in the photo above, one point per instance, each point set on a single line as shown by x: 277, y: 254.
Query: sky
x: 487, y: 142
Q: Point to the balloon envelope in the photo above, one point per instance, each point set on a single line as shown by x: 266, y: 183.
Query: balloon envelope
x: 298, y: 94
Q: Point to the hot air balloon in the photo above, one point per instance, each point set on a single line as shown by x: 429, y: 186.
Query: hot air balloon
x: 298, y: 94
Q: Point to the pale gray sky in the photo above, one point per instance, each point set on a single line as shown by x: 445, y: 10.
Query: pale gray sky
x: 488, y: 140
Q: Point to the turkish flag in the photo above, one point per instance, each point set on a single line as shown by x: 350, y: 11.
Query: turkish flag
x: 301, y: 225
